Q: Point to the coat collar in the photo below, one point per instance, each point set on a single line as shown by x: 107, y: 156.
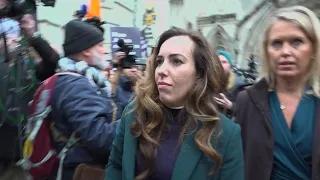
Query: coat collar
x: 258, y: 94
x: 186, y: 162
x: 187, y: 159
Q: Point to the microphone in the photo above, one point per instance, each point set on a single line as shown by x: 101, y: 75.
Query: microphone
x: 120, y: 42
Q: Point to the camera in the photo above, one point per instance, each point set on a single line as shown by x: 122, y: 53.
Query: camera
x: 18, y: 8
x: 129, y: 60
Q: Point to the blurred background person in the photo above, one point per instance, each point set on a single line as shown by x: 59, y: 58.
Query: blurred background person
x: 124, y: 78
x: 37, y: 68
x: 233, y: 84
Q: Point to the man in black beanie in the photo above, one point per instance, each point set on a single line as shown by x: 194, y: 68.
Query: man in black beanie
x: 83, y: 40
x: 80, y: 102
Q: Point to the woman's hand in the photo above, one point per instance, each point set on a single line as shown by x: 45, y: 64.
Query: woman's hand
x: 224, y: 101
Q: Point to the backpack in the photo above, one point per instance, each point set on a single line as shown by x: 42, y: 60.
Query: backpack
x: 40, y: 159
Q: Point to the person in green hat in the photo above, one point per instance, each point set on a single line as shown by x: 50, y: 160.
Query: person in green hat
x: 233, y: 85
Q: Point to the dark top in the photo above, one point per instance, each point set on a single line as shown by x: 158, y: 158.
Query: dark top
x: 191, y: 163
x: 168, y: 151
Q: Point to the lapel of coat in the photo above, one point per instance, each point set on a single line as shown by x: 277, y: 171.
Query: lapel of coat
x: 316, y: 145
x: 187, y: 159
x: 129, y: 150
x: 259, y: 95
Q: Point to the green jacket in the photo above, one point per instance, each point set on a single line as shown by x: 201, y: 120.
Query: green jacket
x: 191, y: 163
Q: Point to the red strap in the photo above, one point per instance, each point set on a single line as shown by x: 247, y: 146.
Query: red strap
x: 48, y: 84
x: 51, y: 81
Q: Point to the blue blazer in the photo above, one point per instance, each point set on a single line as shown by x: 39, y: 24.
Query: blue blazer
x: 191, y: 163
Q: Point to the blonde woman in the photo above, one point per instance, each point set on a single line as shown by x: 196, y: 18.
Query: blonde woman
x: 173, y: 129
x: 280, y: 115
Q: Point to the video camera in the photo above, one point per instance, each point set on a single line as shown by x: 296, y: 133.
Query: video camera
x: 129, y: 60
x: 18, y: 8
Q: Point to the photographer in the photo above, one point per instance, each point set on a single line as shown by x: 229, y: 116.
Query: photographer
x: 49, y: 56
x: 17, y: 11
x: 10, y: 126
x: 125, y: 77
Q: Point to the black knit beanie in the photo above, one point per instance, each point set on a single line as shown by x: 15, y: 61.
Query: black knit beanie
x: 80, y: 36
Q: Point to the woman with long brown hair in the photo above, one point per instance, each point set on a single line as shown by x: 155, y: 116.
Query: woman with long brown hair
x: 173, y: 130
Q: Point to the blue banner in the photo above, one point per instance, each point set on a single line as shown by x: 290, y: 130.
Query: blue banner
x: 130, y: 35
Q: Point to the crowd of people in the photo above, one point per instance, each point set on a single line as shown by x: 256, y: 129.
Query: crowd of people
x: 184, y: 115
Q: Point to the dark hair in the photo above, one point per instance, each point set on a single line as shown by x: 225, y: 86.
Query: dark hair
x: 200, y: 107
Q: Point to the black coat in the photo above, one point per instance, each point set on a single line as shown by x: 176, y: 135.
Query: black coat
x: 254, y: 117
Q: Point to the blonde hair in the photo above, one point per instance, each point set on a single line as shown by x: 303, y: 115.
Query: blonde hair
x: 310, y: 25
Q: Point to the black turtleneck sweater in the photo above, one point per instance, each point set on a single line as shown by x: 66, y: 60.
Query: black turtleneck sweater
x: 168, y: 151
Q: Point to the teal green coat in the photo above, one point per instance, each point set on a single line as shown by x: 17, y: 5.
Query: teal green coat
x: 191, y: 163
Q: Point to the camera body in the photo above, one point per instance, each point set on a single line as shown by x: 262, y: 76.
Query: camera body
x: 129, y: 60
x: 18, y: 8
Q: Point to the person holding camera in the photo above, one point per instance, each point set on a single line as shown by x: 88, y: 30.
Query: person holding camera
x: 49, y: 56
x: 124, y: 79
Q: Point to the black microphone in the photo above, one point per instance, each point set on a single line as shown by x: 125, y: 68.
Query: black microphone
x: 120, y: 42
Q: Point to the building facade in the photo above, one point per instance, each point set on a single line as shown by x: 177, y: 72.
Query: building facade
x: 234, y: 25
